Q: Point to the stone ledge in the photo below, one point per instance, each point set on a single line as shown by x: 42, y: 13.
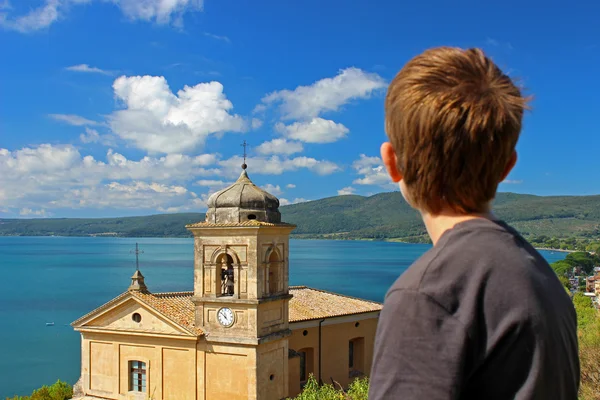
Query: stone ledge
x: 231, y: 300
x: 250, y: 341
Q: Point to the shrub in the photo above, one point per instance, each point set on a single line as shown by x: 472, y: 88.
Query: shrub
x: 358, y: 390
x: 588, y: 324
x: 58, y: 391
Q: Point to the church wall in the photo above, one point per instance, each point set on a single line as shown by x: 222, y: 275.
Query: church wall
x: 170, y: 366
x: 299, y: 341
x: 280, y: 240
x: 293, y: 376
x: 335, y: 338
x: 272, y: 317
x: 213, y: 242
x: 228, y: 373
x: 335, y: 344
x: 120, y: 319
x: 272, y: 370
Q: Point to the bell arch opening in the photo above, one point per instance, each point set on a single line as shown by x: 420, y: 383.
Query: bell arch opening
x: 274, y: 273
x: 225, y: 262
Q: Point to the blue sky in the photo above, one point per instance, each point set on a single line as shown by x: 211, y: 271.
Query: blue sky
x: 130, y: 107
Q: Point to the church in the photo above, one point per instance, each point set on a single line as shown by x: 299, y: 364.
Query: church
x: 243, y: 333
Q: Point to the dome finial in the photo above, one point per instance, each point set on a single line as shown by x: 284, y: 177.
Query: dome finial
x: 137, y: 280
x: 244, y: 165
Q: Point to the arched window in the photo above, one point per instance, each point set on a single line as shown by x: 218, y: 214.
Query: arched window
x: 307, y: 364
x: 225, y: 262
x: 274, y: 273
x: 356, y: 356
x: 137, y: 376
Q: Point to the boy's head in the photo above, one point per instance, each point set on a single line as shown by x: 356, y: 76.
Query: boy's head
x: 453, y: 119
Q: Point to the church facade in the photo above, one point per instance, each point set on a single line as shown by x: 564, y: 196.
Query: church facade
x: 243, y: 333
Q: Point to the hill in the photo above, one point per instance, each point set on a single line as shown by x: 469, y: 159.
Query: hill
x: 387, y: 215
x: 382, y: 216
x: 162, y: 225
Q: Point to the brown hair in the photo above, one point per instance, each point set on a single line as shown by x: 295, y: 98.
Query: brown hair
x: 453, y: 118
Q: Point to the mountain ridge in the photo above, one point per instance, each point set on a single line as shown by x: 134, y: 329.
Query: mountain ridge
x: 381, y: 216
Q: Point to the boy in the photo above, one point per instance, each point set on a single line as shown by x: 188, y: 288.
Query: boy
x: 481, y: 315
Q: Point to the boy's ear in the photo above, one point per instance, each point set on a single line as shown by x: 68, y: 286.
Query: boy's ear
x: 509, y: 166
x: 388, y: 155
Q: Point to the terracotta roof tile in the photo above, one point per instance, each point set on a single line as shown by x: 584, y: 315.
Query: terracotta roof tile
x: 251, y: 222
x: 306, y: 304
x: 177, y: 306
x: 309, y: 303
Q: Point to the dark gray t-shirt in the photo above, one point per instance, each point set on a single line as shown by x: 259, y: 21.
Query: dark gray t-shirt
x: 479, y: 316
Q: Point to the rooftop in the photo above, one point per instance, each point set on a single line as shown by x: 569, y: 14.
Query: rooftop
x: 251, y: 222
x: 242, y: 201
x: 306, y: 304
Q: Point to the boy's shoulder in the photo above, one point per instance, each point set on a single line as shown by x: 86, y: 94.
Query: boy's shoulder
x: 476, y: 257
x: 473, y: 241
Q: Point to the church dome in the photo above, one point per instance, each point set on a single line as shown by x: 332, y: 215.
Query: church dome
x: 241, y: 202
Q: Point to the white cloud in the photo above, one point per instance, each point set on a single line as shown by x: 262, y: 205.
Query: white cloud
x: 35, y: 213
x: 372, y: 171
x: 256, y: 123
x: 158, y: 121
x: 345, y: 191
x: 210, y: 182
x: 327, y: 94
x: 73, y: 119
x: 159, y: 11
x: 279, y: 146
x: 133, y: 195
x: 92, y: 136
x: 512, y: 181
x: 276, y: 165
x: 286, y: 202
x: 275, y: 190
x: 213, y: 185
x: 217, y: 37
x: 169, y: 168
x: 36, y: 19
x: 290, y: 186
x: 496, y: 43
x: 88, y: 69
x: 317, y: 130
x: 50, y: 177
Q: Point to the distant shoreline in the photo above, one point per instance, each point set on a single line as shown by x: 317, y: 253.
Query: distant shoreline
x: 559, y: 250
x: 390, y: 240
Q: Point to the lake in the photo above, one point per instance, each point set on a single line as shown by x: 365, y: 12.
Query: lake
x: 59, y: 279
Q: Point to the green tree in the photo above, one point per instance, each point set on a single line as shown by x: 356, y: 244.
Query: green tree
x: 565, y: 282
x: 357, y: 390
x: 58, y: 391
x: 562, y: 267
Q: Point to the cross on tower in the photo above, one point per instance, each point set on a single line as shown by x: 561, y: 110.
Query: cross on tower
x: 244, y: 145
x: 137, y: 253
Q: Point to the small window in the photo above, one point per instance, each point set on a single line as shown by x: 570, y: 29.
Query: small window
x: 251, y: 216
x: 137, y: 376
x: 305, y: 333
x: 302, y: 366
x: 307, y: 362
x: 356, y: 356
x: 271, y: 377
x: 136, y: 317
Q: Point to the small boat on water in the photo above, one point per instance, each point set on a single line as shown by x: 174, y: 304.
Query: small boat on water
x: 49, y: 323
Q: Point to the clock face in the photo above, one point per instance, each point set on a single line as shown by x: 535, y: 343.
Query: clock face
x: 225, y: 316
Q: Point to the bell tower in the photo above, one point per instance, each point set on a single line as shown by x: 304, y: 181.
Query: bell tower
x: 241, y: 295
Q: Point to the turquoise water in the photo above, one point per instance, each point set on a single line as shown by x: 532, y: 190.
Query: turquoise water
x: 58, y: 279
